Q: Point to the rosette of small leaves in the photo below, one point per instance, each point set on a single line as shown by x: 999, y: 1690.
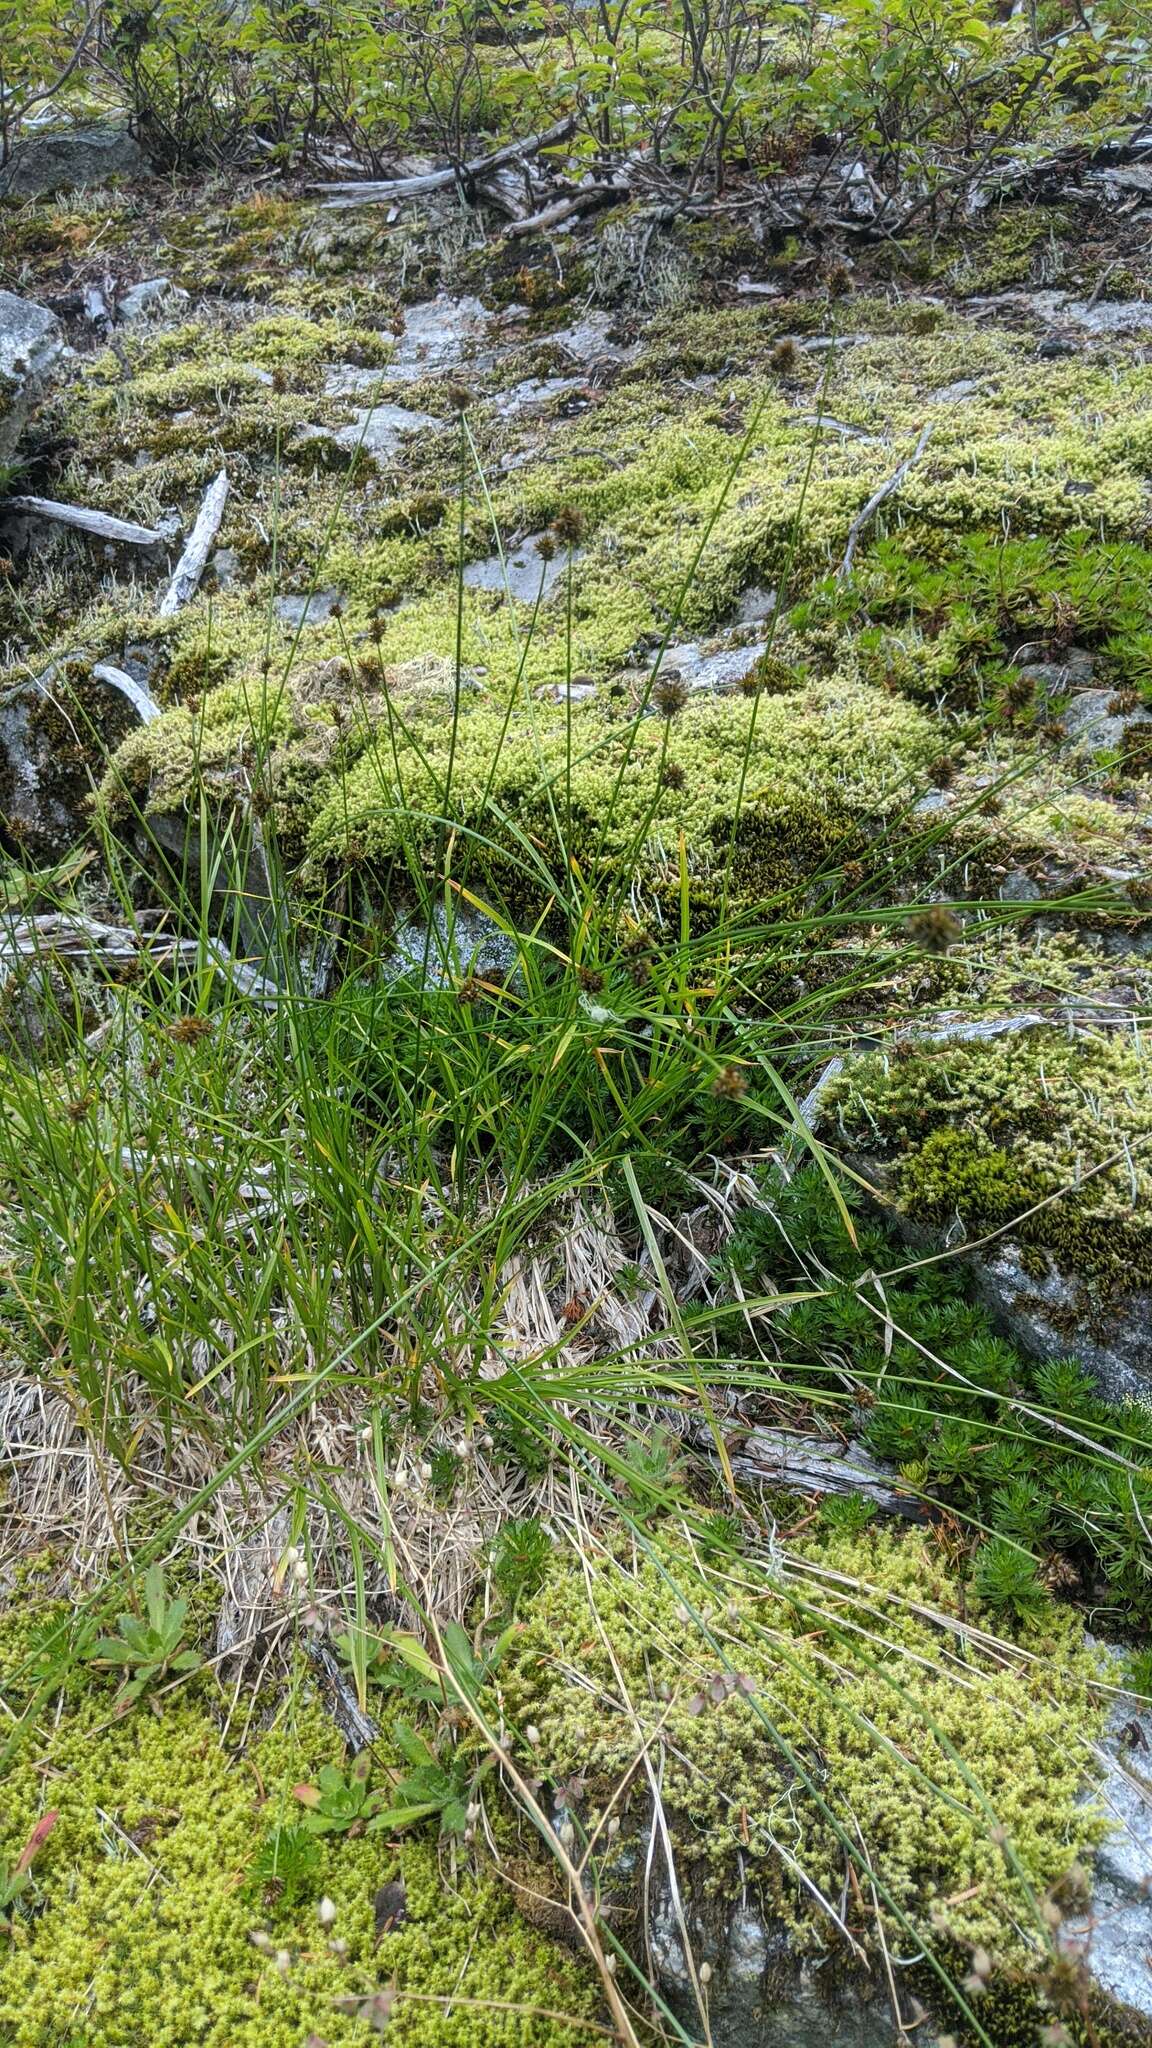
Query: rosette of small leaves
x: 432, y: 1788
x: 340, y: 1802
x: 147, y: 1648
x: 346, y: 1803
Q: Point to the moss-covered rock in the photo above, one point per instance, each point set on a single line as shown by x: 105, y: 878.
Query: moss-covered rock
x: 984, y: 1131
x: 818, y: 1709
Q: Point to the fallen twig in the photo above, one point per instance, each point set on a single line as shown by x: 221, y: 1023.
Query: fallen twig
x: 140, y: 699
x: 886, y: 490
x: 810, y: 1464
x: 349, y: 192
x: 564, y: 209
x: 190, y: 567
x: 100, y: 525
x: 71, y: 936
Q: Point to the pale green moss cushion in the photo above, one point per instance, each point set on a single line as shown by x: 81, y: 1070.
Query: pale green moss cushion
x: 960, y: 1772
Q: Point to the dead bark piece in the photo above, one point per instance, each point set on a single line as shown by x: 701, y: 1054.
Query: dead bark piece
x: 886, y: 490
x: 71, y: 936
x: 98, y: 304
x: 811, y: 1464
x: 509, y: 190
x: 193, y: 561
x: 142, y: 703
x: 370, y: 191
x: 565, y: 209
x: 100, y: 525
x: 358, y: 1728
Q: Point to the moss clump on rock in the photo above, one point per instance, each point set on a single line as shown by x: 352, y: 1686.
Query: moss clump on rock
x: 985, y: 1131
x: 365, y: 778
x: 832, y: 1702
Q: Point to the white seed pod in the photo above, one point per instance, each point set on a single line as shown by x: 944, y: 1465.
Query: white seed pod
x: 613, y: 1828
x: 705, y: 1974
x: 532, y: 1736
x: 326, y: 1911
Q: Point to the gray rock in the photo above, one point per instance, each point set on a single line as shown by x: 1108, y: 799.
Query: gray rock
x: 474, y: 945
x: 378, y: 431
x: 1106, y: 317
x: 61, y: 159
x: 352, y: 380
x: 762, y: 1993
x: 755, y: 606
x: 1091, y: 727
x: 711, y: 667
x: 31, y: 347
x: 150, y: 299
x: 1018, y: 886
x: 226, y: 568
x: 442, y: 335
x: 958, y: 393
x: 533, y: 394
x: 567, y: 693
x: 521, y: 572
x: 1074, y: 670
x: 309, y: 610
x: 589, y: 340
x: 1047, y: 1314
x: 932, y: 803
x: 1114, y: 1938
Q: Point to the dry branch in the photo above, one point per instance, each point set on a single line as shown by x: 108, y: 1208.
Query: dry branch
x: 810, y: 1464
x: 100, y: 525
x: 886, y: 490
x: 565, y: 208
x: 190, y: 567
x: 71, y: 936
x: 350, y: 192
x: 142, y: 702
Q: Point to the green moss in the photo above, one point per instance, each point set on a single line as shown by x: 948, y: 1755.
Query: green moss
x: 367, y: 780
x: 903, y: 1750
x: 679, y: 518
x: 984, y: 1131
x: 145, y: 1909
x: 1003, y: 254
